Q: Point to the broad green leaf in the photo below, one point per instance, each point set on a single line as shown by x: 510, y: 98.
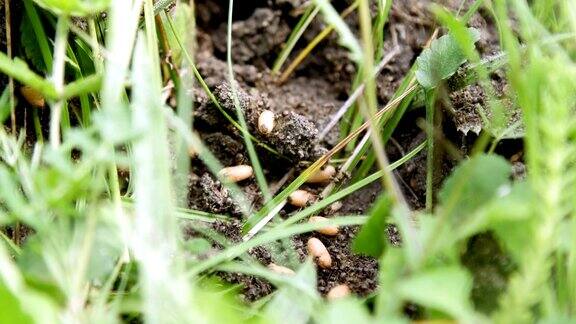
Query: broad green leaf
x: 74, y: 7
x: 290, y: 305
x: 47, y: 288
x: 103, y: 254
x: 106, y: 250
x: 19, y: 304
x: 11, y: 306
x: 446, y: 289
x: 430, y: 229
x: 371, y: 239
x: 472, y: 184
x: 510, y: 205
x: 41, y: 309
x: 33, y: 264
x: 25, y: 307
x: 218, y: 302
x: 5, y: 105
x: 513, y: 204
x: 31, y: 45
x: 12, y: 198
x: 499, y: 116
x: 412, y: 236
x: 391, y: 270
x: 347, y: 38
x: 441, y: 60
x: 19, y: 70
x: 511, y: 218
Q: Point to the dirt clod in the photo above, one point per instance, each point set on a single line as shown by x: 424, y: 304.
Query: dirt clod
x: 294, y: 136
x: 210, y: 195
x: 254, y: 37
x: 466, y: 102
x: 227, y: 150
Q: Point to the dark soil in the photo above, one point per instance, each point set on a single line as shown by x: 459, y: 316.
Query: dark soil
x: 491, y: 268
x: 304, y: 104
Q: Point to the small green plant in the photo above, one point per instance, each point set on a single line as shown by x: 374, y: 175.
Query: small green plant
x: 441, y: 60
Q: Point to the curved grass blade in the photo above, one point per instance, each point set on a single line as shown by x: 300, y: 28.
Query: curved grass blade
x: 244, y: 127
x: 297, y: 32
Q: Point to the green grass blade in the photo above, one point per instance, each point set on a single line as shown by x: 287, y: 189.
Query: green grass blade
x: 155, y: 238
x: 185, y: 101
x: 389, y: 127
x: 308, y: 211
x: 297, y: 32
x: 261, y: 180
x: 20, y: 71
x: 347, y: 38
x: 41, y: 38
x: 382, y: 14
x: 271, y: 236
x: 58, y: 107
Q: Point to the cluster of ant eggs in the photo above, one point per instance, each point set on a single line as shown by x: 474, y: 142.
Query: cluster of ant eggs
x: 299, y: 198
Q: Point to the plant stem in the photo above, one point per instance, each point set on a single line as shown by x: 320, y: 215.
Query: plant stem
x: 240, y: 113
x: 369, y: 102
x: 19, y: 70
x: 58, y: 78
x: 8, y: 19
x: 300, y: 28
x: 430, y: 106
x: 96, y: 53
